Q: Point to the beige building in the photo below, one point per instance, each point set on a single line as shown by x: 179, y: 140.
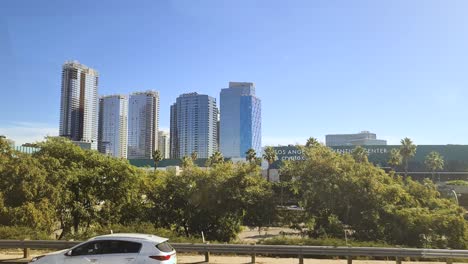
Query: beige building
x: 164, y: 144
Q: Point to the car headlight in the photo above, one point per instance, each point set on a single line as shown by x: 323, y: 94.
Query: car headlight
x: 36, y: 258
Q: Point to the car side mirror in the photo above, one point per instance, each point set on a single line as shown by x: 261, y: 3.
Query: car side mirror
x: 69, y: 253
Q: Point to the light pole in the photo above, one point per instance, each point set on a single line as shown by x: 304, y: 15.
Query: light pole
x: 456, y: 196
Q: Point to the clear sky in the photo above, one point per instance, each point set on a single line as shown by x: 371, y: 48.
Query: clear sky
x: 397, y: 68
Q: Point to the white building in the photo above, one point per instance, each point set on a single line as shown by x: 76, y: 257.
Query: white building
x: 365, y: 138
x: 194, y: 126
x: 164, y: 144
x: 143, y: 124
x: 113, y: 125
x: 79, y: 103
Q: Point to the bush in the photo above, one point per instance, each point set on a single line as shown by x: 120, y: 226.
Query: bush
x: 142, y: 228
x: 22, y: 232
x: 458, y: 183
x: 336, y: 242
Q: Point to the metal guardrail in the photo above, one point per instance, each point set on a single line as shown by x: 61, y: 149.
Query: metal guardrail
x: 301, y: 251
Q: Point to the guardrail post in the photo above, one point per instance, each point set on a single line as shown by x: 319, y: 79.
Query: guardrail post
x: 252, y: 261
x: 301, y: 256
x: 207, y: 254
x: 350, y: 259
x: 398, y: 260
x: 301, y: 259
x: 26, y: 251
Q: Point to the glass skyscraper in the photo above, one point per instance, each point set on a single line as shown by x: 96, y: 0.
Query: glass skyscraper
x: 240, y: 121
x: 113, y: 132
x: 194, y: 126
x: 79, y: 103
x: 143, y: 124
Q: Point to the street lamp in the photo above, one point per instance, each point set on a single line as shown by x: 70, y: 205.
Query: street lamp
x: 455, y: 195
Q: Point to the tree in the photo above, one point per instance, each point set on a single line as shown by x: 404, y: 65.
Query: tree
x: 360, y: 154
x: 312, y: 142
x: 395, y: 158
x: 337, y: 192
x: 216, y: 158
x: 270, y: 157
x: 407, y: 151
x: 434, y: 161
x: 187, y: 162
x: 251, y: 155
x: 215, y: 201
x: 157, y: 157
x: 194, y: 156
x: 88, y: 188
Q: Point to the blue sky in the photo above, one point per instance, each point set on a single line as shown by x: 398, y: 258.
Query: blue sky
x: 397, y: 68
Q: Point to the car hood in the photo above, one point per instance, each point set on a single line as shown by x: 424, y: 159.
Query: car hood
x: 57, y: 252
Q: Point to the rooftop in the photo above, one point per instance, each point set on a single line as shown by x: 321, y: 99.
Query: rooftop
x: 132, y: 236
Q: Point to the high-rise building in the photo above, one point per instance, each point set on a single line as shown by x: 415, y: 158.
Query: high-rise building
x: 113, y: 124
x: 240, y: 121
x: 364, y: 138
x: 164, y: 144
x: 194, y: 126
x: 143, y: 124
x: 79, y: 103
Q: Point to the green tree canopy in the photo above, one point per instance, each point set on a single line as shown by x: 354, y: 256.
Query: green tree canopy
x: 251, y: 155
x: 395, y: 158
x: 338, y: 192
x: 407, y: 151
x: 216, y: 158
x: 270, y: 156
x: 157, y: 157
x: 360, y: 154
x: 312, y: 142
x: 434, y: 161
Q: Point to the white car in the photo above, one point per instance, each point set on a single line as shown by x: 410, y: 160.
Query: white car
x: 115, y: 249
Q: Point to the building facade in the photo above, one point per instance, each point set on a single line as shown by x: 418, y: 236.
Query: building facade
x: 113, y: 125
x: 240, y: 120
x: 164, y: 144
x: 365, y: 138
x: 143, y: 124
x: 79, y: 103
x: 194, y: 126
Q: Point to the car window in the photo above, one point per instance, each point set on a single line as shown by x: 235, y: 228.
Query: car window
x: 91, y: 248
x: 121, y: 247
x: 165, y: 247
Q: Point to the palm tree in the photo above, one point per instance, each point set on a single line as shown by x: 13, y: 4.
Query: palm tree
x: 250, y: 155
x: 434, y: 161
x: 157, y: 157
x: 270, y: 156
x: 312, y: 142
x: 216, y: 158
x: 187, y: 162
x: 407, y: 151
x: 360, y: 154
x: 194, y: 156
x: 395, y: 158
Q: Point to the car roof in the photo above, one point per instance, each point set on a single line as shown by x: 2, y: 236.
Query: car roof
x: 132, y: 237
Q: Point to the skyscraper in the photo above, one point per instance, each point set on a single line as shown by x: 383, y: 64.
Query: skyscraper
x: 194, y: 126
x: 143, y: 124
x: 240, y: 121
x: 113, y: 124
x: 79, y: 103
x: 164, y: 144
